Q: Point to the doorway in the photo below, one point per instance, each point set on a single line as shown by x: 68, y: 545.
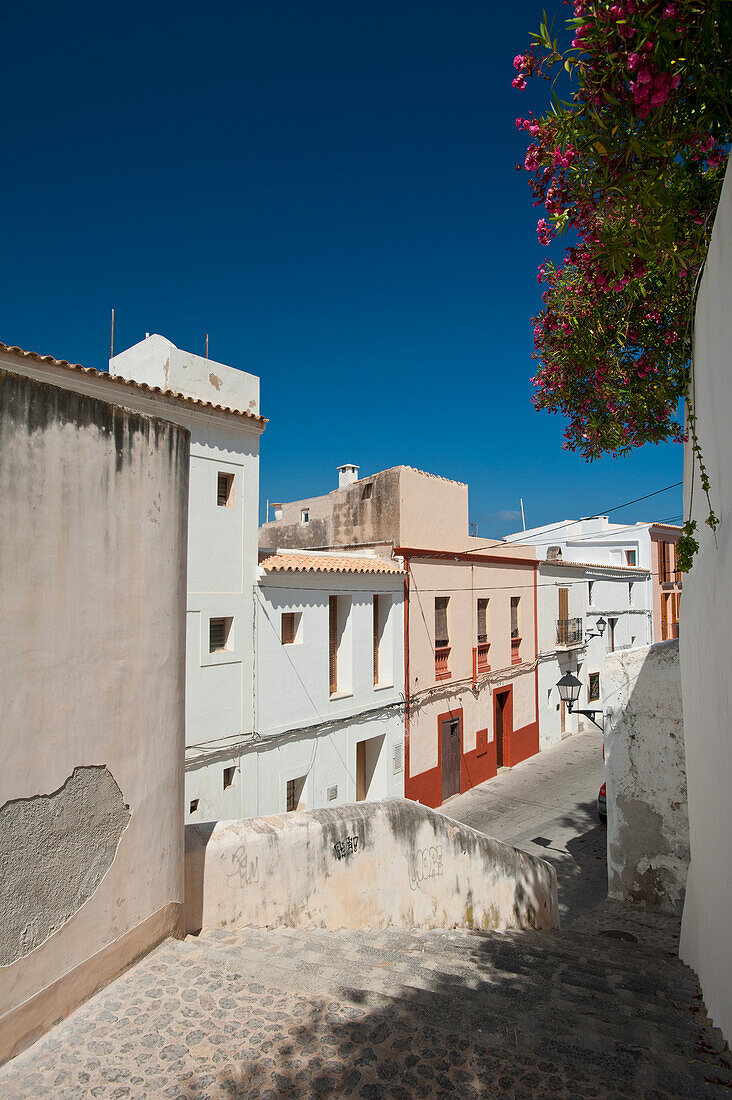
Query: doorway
x: 367, y: 758
x: 451, y: 736
x: 502, y: 724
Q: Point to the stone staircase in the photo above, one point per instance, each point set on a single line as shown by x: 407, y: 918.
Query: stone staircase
x: 603, y: 1009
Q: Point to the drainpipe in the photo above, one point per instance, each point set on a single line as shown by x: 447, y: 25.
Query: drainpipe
x: 536, y: 648
x: 406, y: 676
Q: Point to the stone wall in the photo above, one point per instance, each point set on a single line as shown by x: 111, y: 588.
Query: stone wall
x: 369, y: 865
x: 647, y: 820
x: 93, y: 512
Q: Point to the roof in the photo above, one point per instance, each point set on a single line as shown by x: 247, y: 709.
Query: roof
x: 117, y: 380
x: 594, y: 565
x: 668, y: 526
x: 326, y: 563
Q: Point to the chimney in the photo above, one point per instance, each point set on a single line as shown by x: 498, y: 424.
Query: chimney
x: 277, y: 510
x: 347, y: 475
x: 553, y: 553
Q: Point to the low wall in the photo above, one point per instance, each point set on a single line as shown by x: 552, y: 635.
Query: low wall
x: 369, y: 865
x: 645, y: 766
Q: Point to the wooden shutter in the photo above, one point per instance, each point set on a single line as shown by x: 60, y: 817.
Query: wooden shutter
x: 664, y: 616
x: 482, y: 621
x: 663, y: 560
x: 333, y: 642
x: 564, y: 604
x: 288, y: 628
x: 515, y: 616
x: 442, y: 638
x: 376, y: 639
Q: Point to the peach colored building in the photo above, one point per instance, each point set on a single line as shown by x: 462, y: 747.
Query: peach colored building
x: 470, y: 620
x: 666, y: 581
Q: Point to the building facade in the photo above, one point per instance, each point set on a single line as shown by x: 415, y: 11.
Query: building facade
x: 221, y: 411
x: 470, y: 623
x: 573, y: 598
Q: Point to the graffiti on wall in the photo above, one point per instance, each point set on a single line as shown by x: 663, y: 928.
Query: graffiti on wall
x: 344, y: 848
x: 426, y: 864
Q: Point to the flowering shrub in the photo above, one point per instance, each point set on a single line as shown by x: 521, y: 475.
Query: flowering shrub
x: 633, y: 166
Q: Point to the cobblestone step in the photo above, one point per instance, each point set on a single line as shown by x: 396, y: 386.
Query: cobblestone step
x: 529, y: 1006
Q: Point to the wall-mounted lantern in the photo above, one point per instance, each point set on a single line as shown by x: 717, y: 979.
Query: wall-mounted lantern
x: 569, y: 688
x: 600, y: 624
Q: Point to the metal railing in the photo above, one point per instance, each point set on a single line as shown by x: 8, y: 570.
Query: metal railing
x: 569, y: 632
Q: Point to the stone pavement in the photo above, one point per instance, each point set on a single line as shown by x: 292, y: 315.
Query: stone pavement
x: 290, y: 1013
x: 547, y: 806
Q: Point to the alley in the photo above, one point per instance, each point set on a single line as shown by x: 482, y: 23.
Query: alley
x: 547, y: 806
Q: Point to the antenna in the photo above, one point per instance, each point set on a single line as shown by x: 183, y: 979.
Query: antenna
x: 207, y: 345
x: 523, y: 517
x: 111, y: 338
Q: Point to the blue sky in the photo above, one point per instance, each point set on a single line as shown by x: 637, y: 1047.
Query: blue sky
x: 329, y: 190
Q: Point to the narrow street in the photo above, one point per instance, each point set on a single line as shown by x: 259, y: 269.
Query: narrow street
x: 547, y: 806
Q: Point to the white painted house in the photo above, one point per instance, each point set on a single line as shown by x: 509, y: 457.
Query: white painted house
x: 329, y: 683
x: 222, y: 556
x: 572, y: 597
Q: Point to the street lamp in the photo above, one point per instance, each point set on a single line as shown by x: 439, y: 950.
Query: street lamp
x: 600, y: 624
x: 569, y: 688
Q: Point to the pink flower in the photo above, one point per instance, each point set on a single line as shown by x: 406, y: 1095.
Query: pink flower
x: 633, y: 60
x: 518, y: 61
x: 519, y: 82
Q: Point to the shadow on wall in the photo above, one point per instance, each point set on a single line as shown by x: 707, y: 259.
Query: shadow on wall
x: 648, y: 824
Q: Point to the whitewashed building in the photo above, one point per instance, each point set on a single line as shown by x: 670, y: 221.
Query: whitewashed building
x: 573, y: 597
x: 221, y: 411
x: 329, y: 682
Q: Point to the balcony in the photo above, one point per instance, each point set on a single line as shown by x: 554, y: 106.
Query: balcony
x: 569, y: 633
x: 482, y: 663
x: 515, y: 649
x: 442, y: 658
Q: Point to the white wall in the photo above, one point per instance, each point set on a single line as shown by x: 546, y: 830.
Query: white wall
x: 706, y: 638
x: 301, y: 730
x: 647, y: 820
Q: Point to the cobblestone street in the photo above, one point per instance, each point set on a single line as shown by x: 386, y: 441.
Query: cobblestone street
x: 547, y: 806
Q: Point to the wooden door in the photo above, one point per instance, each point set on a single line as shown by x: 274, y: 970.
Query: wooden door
x: 502, y: 725
x: 451, y: 734
x: 360, y: 771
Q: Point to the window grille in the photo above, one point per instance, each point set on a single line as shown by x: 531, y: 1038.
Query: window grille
x: 218, y: 634
x: 398, y: 757
x: 332, y: 794
x: 224, y: 493
x: 482, y: 620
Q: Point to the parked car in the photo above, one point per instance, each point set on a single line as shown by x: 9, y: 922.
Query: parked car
x: 602, y: 804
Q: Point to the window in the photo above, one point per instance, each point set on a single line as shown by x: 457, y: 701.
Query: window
x: 333, y: 643
x: 367, y: 491
x: 290, y: 627
x: 332, y: 793
x: 193, y: 806
x: 664, y: 562
x: 630, y: 593
x: 612, y: 623
x: 295, y: 788
x: 594, y: 687
x: 442, y: 636
x: 305, y: 516
x: 397, y: 761
x: 590, y: 592
x: 482, y: 621
x: 229, y: 774
x: 219, y: 632
x: 225, y: 491
x: 442, y: 639
x: 515, y: 601
x: 376, y: 637
x: 630, y: 557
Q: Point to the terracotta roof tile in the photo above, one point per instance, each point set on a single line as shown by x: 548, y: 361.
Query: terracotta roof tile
x: 326, y: 563
x: 593, y: 565
x: 21, y: 353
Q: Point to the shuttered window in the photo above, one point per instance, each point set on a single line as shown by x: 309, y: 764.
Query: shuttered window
x: 664, y: 564
x: 515, y: 600
x: 482, y: 621
x: 333, y: 642
x: 218, y: 634
x: 288, y: 627
x: 563, y: 605
x: 225, y: 490
x: 376, y: 639
x: 442, y: 637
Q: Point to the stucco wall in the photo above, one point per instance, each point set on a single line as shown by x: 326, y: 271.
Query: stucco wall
x: 647, y: 819
x: 706, y: 638
x: 364, y: 866
x: 93, y: 508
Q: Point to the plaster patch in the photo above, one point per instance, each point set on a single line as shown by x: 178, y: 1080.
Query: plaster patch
x: 54, y: 851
